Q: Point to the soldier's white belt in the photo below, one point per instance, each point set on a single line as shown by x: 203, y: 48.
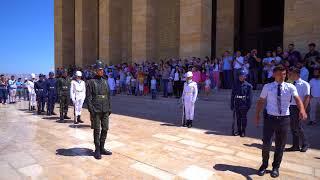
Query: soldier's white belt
x: 64, y: 87
x: 240, y: 97
x: 51, y: 87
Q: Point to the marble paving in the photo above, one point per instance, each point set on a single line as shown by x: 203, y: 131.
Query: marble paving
x: 145, y: 145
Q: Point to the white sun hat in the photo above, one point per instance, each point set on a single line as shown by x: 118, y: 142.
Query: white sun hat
x: 79, y: 73
x: 189, y: 74
x: 33, y: 76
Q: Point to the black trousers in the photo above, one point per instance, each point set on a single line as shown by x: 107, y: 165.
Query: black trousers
x: 297, y: 128
x: 242, y: 119
x: 278, y: 126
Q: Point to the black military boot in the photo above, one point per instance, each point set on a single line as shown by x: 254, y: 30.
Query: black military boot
x: 102, y: 142
x: 190, y: 124
x: 66, y: 117
x: 96, y: 138
x: 48, y: 113
x: 79, y: 119
x: 61, y: 120
x: 243, y: 133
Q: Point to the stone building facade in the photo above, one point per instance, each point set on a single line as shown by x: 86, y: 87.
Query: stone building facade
x: 137, y: 30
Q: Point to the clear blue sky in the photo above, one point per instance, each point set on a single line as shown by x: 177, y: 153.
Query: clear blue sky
x: 26, y: 36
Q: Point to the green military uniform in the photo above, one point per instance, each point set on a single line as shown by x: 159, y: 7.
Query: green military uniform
x: 63, y: 91
x: 98, y: 101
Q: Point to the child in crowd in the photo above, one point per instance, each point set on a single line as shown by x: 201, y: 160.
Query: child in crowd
x: 112, y: 84
x: 145, y: 87
x: 118, y: 85
x: 216, y: 74
x: 128, y: 83
x: 133, y: 85
x: 170, y: 87
x: 153, y: 88
x: 207, y: 85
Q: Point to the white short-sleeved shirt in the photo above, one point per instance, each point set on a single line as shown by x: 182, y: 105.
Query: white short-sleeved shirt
x: 269, y: 92
x: 303, y: 89
x: 236, y: 64
x: 315, y: 87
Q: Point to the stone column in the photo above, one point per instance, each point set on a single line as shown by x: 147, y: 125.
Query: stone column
x: 301, y: 23
x: 64, y: 33
x: 104, y: 30
x: 139, y: 30
x: 143, y: 36
x: 86, y: 32
x: 195, y: 28
x: 225, y: 26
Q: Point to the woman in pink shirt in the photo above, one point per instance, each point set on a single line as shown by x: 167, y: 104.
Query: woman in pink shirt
x: 196, y: 75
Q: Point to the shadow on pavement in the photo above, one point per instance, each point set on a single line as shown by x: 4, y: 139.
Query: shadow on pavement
x: 51, y: 118
x: 75, y: 152
x: 65, y: 121
x: 79, y: 126
x: 170, y: 125
x: 244, y: 171
x: 259, y: 146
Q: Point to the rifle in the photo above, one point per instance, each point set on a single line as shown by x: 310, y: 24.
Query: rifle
x: 234, y: 119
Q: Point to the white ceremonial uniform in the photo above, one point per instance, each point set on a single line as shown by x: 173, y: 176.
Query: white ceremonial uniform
x: 189, y: 97
x: 303, y: 89
x: 78, y: 95
x: 32, y: 93
x: 12, y: 90
x: 269, y: 92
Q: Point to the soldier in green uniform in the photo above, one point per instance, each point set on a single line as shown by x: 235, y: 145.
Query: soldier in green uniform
x: 98, y: 100
x: 63, y: 90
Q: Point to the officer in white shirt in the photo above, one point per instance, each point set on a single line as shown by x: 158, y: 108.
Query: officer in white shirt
x: 189, y: 97
x: 78, y: 95
x: 296, y: 125
x: 315, y: 95
x: 12, y: 90
x: 277, y: 95
x: 32, y: 93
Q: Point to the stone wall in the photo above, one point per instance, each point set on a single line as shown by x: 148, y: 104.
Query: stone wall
x: 301, y: 23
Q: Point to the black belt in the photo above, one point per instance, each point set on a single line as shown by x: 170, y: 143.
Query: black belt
x: 101, y: 96
x: 278, y: 117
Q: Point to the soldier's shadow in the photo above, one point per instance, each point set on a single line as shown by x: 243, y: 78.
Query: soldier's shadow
x: 75, y: 152
x: 79, y: 126
x: 51, y: 118
x: 244, y: 171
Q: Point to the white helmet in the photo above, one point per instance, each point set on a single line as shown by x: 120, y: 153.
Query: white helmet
x: 189, y: 74
x: 79, y: 73
x: 33, y: 76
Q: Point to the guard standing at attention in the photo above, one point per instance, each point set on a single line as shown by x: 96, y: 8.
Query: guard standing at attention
x: 78, y: 95
x: 278, y: 96
x: 39, y: 88
x: 98, y: 100
x: 241, y: 98
x: 63, y: 90
x: 189, y: 98
x: 51, y: 91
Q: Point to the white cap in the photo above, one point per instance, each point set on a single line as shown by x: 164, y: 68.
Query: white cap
x: 189, y: 74
x: 79, y: 73
x: 33, y: 76
x: 25, y: 78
